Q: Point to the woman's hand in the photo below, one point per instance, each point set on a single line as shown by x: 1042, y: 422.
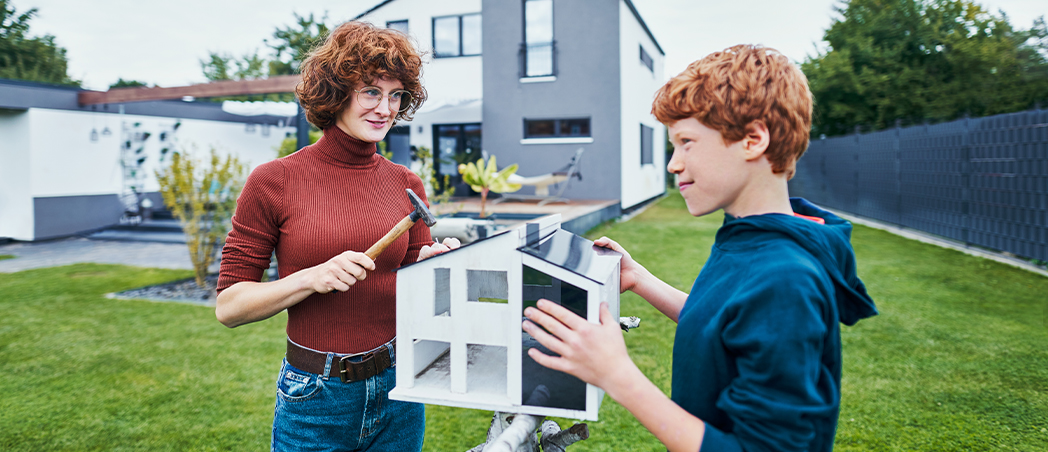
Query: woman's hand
x: 340, y: 272
x: 595, y: 354
x: 429, y: 251
x: 630, y: 272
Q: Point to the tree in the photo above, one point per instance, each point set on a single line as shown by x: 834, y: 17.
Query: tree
x: 487, y: 178
x: 290, y: 46
x: 121, y: 83
x: 26, y: 58
x: 923, y: 60
x: 203, y: 199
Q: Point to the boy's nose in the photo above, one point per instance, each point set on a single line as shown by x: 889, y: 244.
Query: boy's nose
x: 676, y: 165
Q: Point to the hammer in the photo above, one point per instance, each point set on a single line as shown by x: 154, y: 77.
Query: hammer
x: 420, y: 212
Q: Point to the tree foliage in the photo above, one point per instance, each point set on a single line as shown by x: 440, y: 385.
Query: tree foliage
x: 23, y: 57
x: 121, y: 83
x: 923, y: 60
x: 289, y: 46
x: 203, y: 199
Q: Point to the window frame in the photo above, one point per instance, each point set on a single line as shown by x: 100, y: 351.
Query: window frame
x: 552, y: 44
x: 433, y: 35
x: 557, y: 128
x: 650, y: 142
x: 646, y: 59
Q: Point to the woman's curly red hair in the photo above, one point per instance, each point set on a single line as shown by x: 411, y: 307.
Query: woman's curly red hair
x: 357, y: 52
x: 728, y: 90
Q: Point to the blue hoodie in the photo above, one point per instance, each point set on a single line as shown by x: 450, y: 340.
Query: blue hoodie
x: 757, y: 354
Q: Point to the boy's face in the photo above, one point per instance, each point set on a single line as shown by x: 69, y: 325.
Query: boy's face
x: 712, y: 175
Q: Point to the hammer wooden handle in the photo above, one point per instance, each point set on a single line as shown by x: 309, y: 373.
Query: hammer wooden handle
x: 390, y: 236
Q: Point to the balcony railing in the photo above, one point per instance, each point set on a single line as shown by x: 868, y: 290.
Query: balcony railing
x: 538, y: 59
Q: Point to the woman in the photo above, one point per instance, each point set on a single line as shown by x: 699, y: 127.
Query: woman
x: 319, y: 208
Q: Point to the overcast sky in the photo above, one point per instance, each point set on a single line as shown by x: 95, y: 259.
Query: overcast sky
x: 162, y: 43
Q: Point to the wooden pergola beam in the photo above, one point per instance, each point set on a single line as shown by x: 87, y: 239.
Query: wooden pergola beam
x: 278, y: 84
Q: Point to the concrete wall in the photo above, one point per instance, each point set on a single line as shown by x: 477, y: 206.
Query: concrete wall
x: 639, y: 182
x: 447, y: 80
x: 586, y: 85
x: 16, y: 200
x: 59, y: 216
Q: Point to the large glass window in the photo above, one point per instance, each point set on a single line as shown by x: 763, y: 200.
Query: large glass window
x: 538, y: 46
x: 646, y: 145
x: 556, y: 128
x: 454, y: 144
x: 456, y: 36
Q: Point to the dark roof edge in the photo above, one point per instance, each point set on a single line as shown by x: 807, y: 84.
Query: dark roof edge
x: 11, y: 81
x: 636, y: 14
x: 373, y: 8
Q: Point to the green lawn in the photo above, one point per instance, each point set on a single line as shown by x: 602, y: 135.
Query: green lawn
x: 6, y: 256
x: 957, y: 360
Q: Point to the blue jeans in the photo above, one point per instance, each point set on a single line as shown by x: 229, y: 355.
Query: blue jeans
x: 317, y: 413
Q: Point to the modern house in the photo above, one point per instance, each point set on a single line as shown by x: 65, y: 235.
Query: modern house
x: 67, y: 168
x: 532, y: 81
x: 459, y: 315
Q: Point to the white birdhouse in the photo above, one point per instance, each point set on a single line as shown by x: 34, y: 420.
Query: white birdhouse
x: 459, y: 314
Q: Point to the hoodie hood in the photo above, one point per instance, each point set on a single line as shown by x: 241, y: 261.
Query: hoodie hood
x: 830, y: 244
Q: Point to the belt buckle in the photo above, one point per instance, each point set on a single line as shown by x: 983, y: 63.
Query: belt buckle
x: 346, y: 370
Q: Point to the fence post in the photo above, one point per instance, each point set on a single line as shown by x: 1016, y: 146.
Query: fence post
x: 966, y: 184
x: 898, y: 171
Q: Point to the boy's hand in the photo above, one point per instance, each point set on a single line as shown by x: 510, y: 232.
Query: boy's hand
x: 435, y: 248
x: 630, y: 271
x: 595, y: 354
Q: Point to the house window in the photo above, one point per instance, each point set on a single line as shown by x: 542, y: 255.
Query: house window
x: 646, y: 59
x: 556, y: 128
x: 646, y: 145
x: 538, y: 51
x: 399, y: 25
x: 441, y: 291
x: 455, y: 36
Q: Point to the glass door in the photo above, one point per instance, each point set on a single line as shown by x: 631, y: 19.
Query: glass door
x: 455, y: 144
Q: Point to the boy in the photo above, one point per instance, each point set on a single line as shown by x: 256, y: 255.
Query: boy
x: 757, y: 352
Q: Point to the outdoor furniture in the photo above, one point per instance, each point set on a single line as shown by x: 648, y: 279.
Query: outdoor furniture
x: 560, y: 178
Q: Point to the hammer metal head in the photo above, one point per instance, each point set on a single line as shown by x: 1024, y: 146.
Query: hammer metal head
x: 421, y: 211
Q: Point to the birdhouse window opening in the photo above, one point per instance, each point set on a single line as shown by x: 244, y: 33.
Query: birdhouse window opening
x: 541, y: 386
x: 441, y: 292
x: 486, y: 369
x: 487, y: 286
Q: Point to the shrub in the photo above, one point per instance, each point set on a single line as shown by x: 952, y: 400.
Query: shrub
x: 203, y: 199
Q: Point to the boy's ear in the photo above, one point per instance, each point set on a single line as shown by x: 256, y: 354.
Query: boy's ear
x: 756, y: 140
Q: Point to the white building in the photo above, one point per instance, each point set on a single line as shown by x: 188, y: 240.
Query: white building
x: 530, y: 82
x: 64, y: 167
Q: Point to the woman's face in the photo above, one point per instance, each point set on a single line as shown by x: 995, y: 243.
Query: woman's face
x: 371, y: 124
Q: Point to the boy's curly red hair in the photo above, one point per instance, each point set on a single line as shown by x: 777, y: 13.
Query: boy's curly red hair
x: 357, y: 52
x: 728, y: 90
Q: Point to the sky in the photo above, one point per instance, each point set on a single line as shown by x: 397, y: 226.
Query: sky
x: 162, y: 43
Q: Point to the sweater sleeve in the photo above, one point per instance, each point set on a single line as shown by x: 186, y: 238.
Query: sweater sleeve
x: 256, y: 227
x: 419, y: 235
x: 777, y: 336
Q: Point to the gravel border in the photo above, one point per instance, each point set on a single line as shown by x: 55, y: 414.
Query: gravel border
x: 182, y: 291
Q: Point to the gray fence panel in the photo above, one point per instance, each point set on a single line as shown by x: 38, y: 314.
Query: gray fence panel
x: 980, y: 181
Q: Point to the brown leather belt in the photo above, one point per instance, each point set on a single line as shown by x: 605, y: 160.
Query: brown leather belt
x: 370, y: 364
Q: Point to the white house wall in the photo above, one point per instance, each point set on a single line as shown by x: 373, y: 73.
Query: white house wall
x: 638, y: 86
x: 65, y: 162
x: 16, y: 202
x: 445, y: 79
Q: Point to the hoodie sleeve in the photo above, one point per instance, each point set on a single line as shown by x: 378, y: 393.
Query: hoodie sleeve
x: 777, y: 334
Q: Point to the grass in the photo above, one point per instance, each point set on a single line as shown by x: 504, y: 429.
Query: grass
x: 6, y: 256
x: 957, y: 360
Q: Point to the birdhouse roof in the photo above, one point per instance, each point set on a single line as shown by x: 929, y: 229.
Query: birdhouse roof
x: 575, y: 254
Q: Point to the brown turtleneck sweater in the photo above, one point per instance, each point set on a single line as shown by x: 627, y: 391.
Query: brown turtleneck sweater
x: 330, y: 197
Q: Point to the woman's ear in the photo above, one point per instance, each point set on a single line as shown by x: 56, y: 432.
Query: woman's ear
x: 756, y: 140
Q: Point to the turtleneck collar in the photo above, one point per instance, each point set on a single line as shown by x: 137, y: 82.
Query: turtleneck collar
x: 342, y: 149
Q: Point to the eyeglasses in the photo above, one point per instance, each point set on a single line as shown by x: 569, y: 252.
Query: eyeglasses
x: 371, y: 96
